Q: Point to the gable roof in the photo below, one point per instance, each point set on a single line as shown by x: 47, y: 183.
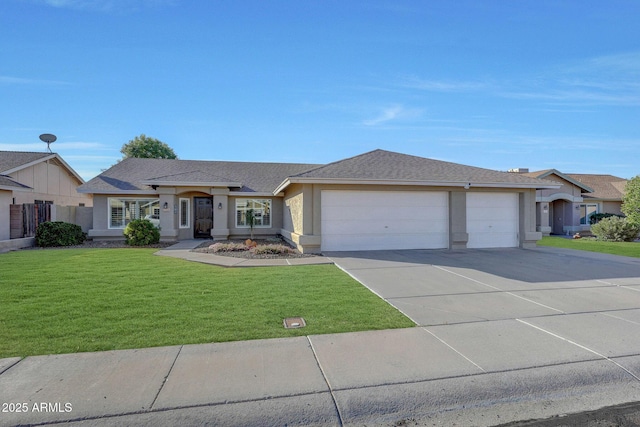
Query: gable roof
x: 134, y: 175
x: 567, y: 177
x: 13, y: 161
x: 606, y: 187
x: 8, y: 183
x: 380, y: 167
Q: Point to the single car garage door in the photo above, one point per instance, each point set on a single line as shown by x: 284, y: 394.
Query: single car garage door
x: 492, y: 220
x: 370, y: 220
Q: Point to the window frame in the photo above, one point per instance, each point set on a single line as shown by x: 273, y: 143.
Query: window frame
x: 184, y: 212
x: 242, y: 205
x: 125, y: 205
x: 585, y: 214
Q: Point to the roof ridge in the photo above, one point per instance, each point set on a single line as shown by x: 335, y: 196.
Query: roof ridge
x: 342, y: 160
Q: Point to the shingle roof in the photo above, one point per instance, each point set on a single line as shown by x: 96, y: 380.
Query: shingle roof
x: 135, y: 174
x: 10, y: 160
x: 607, y: 187
x: 8, y: 183
x: 390, y: 166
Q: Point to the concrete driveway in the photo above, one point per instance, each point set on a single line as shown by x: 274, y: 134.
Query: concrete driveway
x: 513, y: 309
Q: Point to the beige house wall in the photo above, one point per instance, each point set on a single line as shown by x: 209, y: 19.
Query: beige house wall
x: 50, y: 182
x: 307, y: 199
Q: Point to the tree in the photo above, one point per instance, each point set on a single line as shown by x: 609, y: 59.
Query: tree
x: 147, y: 148
x: 631, y: 200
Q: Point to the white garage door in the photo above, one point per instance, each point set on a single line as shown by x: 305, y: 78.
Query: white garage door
x: 492, y: 220
x: 370, y: 220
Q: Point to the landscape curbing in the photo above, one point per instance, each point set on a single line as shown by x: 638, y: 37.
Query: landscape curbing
x: 184, y: 250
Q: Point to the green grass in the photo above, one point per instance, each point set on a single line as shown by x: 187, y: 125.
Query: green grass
x: 77, y: 300
x: 631, y: 249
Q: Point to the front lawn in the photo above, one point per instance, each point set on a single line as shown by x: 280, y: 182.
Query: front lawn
x: 76, y: 300
x: 631, y: 249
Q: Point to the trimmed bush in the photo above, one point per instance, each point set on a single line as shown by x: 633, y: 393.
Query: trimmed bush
x: 228, y: 247
x: 615, y: 229
x: 596, y: 218
x: 141, y: 232
x: 59, y: 233
x: 272, y: 250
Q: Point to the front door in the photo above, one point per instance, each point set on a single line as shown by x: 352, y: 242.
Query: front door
x: 204, y: 217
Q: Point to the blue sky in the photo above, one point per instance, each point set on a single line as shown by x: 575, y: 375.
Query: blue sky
x: 496, y: 84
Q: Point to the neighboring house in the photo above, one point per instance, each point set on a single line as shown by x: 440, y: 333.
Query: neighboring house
x: 377, y: 200
x: 52, y: 180
x: 7, y: 188
x: 568, y: 209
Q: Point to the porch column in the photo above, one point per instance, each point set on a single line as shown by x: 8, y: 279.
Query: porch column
x: 527, y: 213
x: 222, y: 211
x: 543, y: 218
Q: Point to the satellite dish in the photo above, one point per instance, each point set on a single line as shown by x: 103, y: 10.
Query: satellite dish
x: 48, y: 138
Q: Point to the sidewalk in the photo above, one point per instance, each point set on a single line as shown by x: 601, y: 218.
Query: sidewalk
x: 365, y: 378
x: 183, y: 249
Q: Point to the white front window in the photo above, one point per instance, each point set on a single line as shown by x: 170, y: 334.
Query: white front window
x: 586, y: 212
x: 261, y: 209
x: 123, y: 211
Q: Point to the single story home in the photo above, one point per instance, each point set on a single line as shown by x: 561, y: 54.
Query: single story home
x: 570, y: 208
x: 51, y: 179
x: 37, y: 187
x: 376, y: 200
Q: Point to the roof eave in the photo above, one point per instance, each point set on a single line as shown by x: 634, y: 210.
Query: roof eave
x: 192, y: 183
x: 463, y: 184
x: 566, y: 178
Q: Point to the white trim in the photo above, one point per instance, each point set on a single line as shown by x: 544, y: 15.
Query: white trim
x: 255, y: 199
x: 188, y: 205
x: 463, y: 184
x: 109, y: 226
x: 559, y: 196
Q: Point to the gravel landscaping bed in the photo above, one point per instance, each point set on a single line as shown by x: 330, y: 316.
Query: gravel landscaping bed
x: 206, y: 248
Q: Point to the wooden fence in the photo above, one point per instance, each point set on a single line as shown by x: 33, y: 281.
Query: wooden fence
x: 24, y: 219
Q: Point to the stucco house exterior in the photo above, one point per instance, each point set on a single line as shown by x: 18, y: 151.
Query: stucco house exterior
x: 569, y: 208
x: 376, y: 200
x: 7, y: 188
x: 50, y: 178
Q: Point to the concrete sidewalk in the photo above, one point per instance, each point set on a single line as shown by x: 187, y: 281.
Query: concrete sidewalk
x: 183, y: 250
x: 366, y: 378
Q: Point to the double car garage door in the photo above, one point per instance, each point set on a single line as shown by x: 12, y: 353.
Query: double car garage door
x: 370, y: 220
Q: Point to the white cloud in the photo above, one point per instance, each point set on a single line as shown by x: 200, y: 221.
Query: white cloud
x: 392, y: 113
x: 107, y: 5
x: 29, y: 81
x: 414, y: 82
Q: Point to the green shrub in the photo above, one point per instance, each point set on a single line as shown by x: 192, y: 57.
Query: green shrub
x: 615, y: 229
x: 58, y: 233
x: 141, y: 232
x: 596, y: 218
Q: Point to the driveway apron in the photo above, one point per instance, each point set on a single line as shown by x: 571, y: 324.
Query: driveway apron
x: 510, y: 309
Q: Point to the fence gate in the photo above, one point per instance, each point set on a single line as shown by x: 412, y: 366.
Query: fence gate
x: 25, y: 218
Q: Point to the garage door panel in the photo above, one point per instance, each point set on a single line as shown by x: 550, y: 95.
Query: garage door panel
x: 492, y: 220
x: 369, y: 220
x: 354, y: 227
